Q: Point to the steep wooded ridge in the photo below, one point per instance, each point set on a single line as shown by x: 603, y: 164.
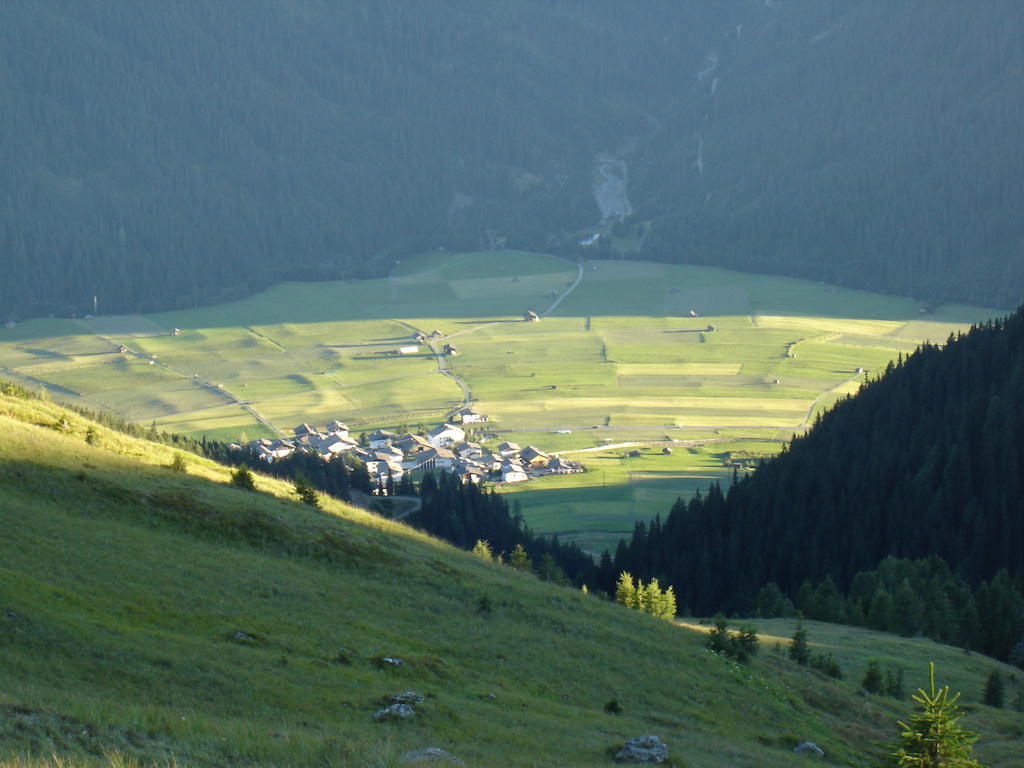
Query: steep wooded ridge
x: 925, y: 462
x: 161, y: 155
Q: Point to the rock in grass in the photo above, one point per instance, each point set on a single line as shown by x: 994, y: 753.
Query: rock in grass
x: 394, y: 712
x: 643, y: 749
x: 809, y: 748
x: 429, y: 756
x: 409, y: 697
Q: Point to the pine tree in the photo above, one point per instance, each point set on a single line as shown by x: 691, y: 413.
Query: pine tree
x: 305, y: 491
x: 666, y: 607
x: 483, y: 550
x: 625, y: 590
x: 934, y: 738
x: 242, y: 477
x: 519, y: 559
x: 874, y: 680
x: 798, y: 650
x: 718, y: 637
x: 994, y: 693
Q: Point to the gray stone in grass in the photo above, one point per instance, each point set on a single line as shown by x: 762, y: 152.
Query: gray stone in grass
x: 809, y: 748
x: 429, y: 756
x: 394, y: 712
x: 643, y: 749
x: 409, y: 697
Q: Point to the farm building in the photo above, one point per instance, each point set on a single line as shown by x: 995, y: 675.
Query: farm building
x: 380, y: 439
x: 468, y: 416
x: 532, y: 457
x: 431, y: 458
x: 469, y: 450
x: 560, y: 466
x: 451, y: 349
x: 531, y: 316
x: 410, y: 443
x: 444, y: 435
x: 337, y: 428
x: 508, y: 449
x: 513, y: 473
x: 408, y: 350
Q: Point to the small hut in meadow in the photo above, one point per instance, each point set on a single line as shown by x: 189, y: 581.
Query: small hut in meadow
x: 531, y: 316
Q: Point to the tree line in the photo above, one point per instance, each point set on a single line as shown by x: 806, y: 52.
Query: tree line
x: 901, y: 508
x: 170, y: 155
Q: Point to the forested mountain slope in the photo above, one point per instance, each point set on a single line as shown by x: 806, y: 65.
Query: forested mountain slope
x: 164, y: 154
x: 925, y: 462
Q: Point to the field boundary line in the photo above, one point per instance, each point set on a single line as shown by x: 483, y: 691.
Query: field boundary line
x: 232, y: 398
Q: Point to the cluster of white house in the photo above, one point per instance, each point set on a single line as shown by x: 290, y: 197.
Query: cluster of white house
x: 443, y: 448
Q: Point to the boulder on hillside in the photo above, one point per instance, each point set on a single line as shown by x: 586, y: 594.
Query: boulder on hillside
x: 394, y: 712
x: 809, y: 748
x: 409, y: 697
x: 429, y: 756
x: 643, y: 749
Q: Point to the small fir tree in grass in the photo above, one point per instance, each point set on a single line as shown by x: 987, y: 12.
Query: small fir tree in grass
x: 738, y: 646
x: 178, y: 463
x: 827, y: 664
x: 718, y: 637
x: 873, y: 680
x: 305, y: 491
x: 625, y: 591
x: 519, y: 559
x: 894, y: 682
x: 994, y: 691
x: 933, y: 738
x: 482, y: 549
x: 746, y: 643
x: 798, y: 649
x: 242, y: 477
x: 647, y: 598
x: 666, y: 607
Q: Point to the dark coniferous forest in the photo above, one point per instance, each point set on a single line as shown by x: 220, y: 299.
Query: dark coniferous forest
x: 166, y: 154
x: 901, y: 509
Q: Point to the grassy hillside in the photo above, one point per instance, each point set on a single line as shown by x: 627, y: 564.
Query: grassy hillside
x: 159, y: 615
x: 618, y: 360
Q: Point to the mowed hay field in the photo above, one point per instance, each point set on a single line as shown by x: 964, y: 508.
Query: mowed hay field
x: 626, y: 352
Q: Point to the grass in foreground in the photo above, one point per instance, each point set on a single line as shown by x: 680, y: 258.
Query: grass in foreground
x: 165, y: 617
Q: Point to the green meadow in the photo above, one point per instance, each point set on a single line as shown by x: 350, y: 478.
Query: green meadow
x: 625, y: 352
x: 193, y: 623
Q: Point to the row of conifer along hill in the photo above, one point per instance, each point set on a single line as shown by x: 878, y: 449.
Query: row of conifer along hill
x: 902, y: 508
